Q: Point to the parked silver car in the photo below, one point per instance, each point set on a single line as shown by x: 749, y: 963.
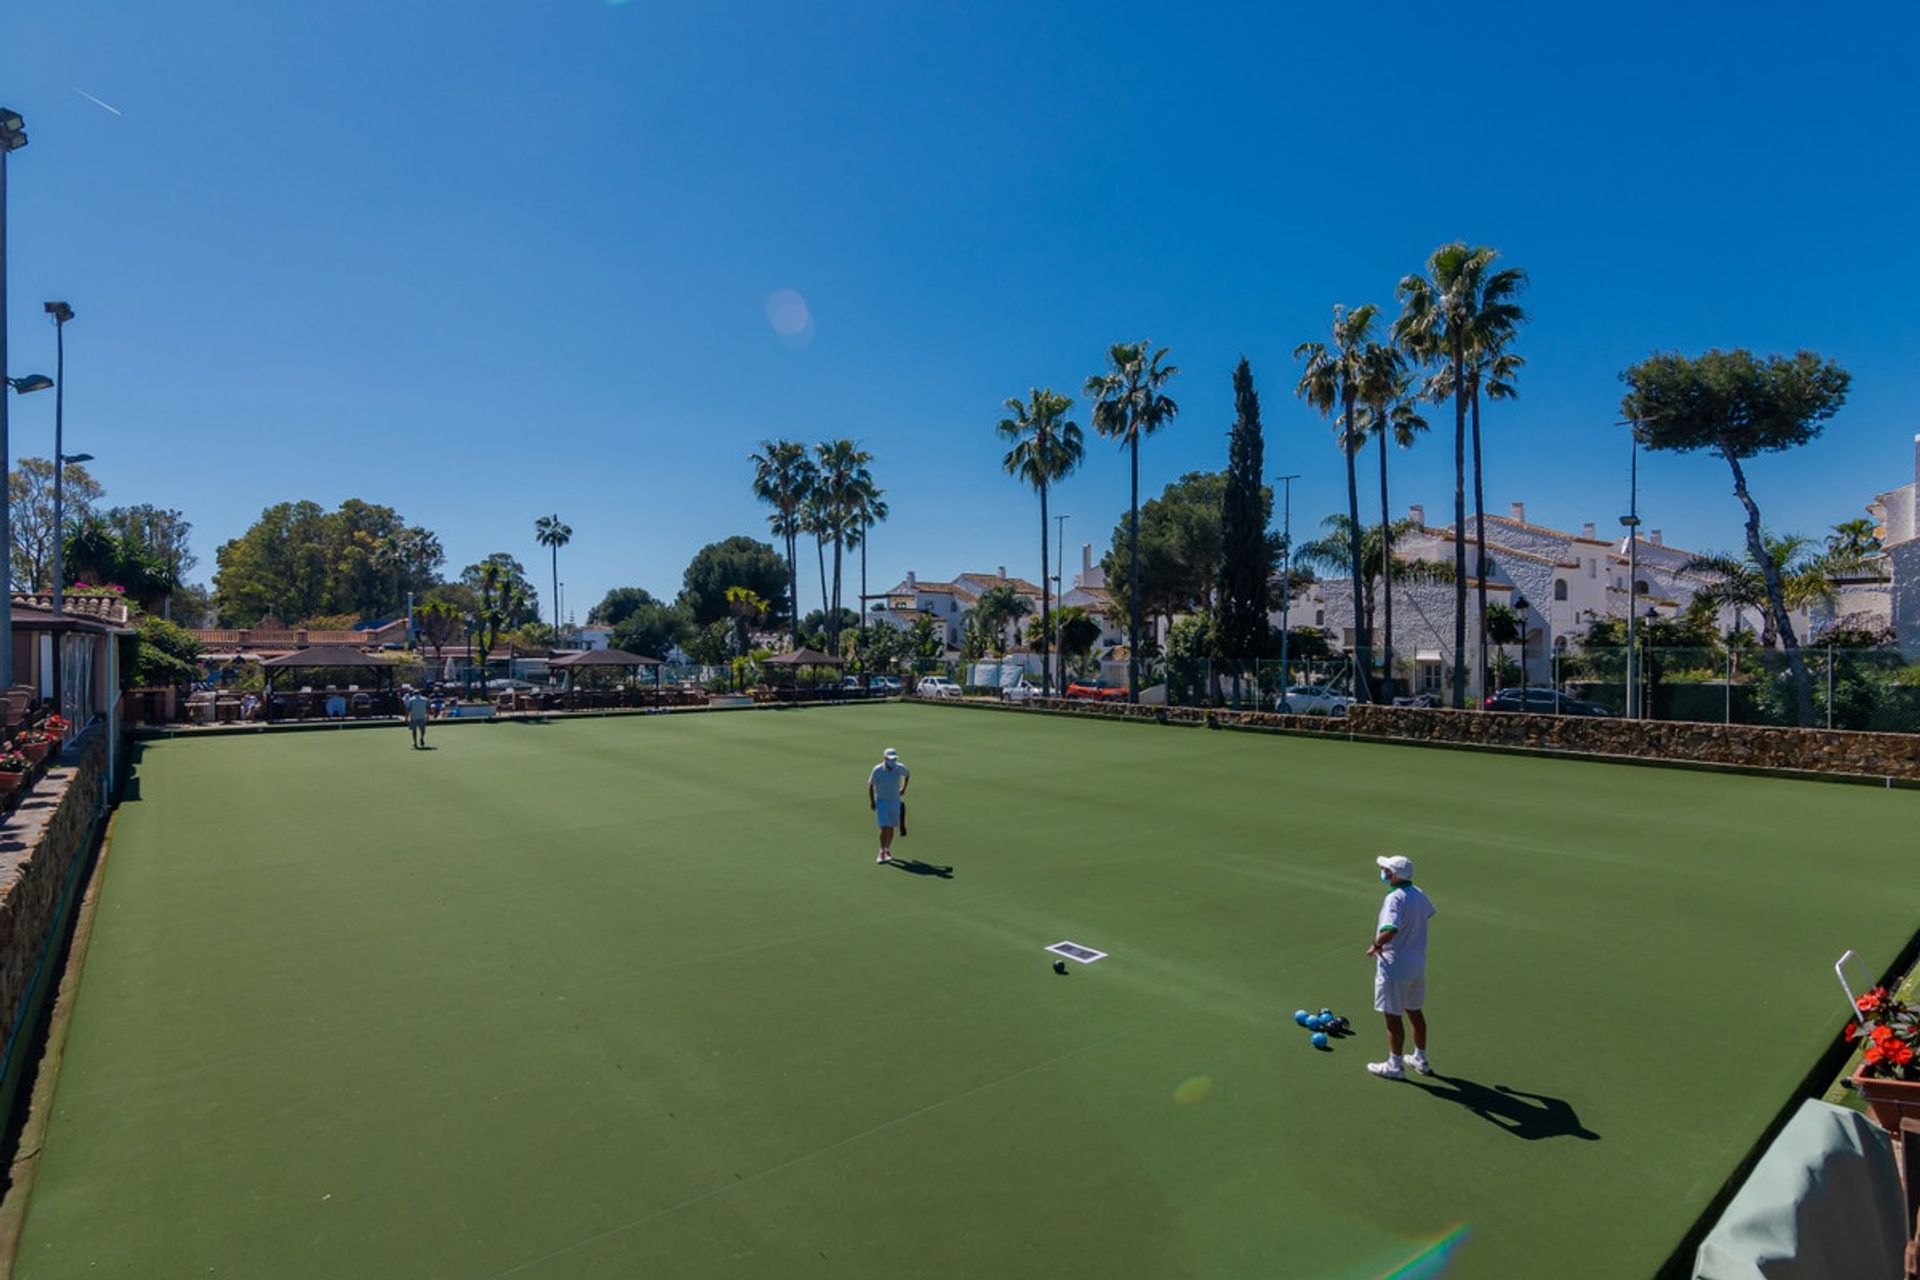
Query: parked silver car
x: 936, y: 687
x: 1312, y: 700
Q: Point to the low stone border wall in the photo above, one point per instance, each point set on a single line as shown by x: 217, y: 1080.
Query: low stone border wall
x: 1827, y: 752
x: 44, y: 843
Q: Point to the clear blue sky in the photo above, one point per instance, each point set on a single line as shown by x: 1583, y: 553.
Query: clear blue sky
x: 511, y: 258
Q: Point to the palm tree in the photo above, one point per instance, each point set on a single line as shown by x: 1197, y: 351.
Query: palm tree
x: 1459, y: 308
x: 1129, y: 403
x: 1331, y: 383
x: 840, y: 463
x: 816, y: 520
x: 1807, y: 577
x: 999, y: 605
x: 869, y: 509
x: 782, y: 477
x: 1855, y: 538
x: 1046, y: 448
x: 554, y: 535
x: 1334, y: 551
x: 1387, y: 389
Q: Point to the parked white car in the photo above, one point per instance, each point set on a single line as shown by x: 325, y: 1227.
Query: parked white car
x: 936, y: 687
x: 1312, y: 700
x: 1019, y: 691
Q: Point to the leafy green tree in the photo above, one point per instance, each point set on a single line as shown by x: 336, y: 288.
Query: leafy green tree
x: 30, y: 492
x: 618, y: 605
x: 1046, y: 448
x: 1331, y: 383
x: 553, y: 533
x: 511, y: 596
x: 924, y: 643
x: 1129, y: 404
x: 818, y: 624
x: 164, y: 654
x: 738, y: 561
x: 1738, y: 406
x: 708, y: 645
x: 1460, y: 307
x: 783, y: 476
x: 438, y: 622
x: 1181, y: 545
x: 652, y: 629
x: 1246, y: 548
x: 747, y: 607
x: 300, y: 560
x: 1078, y: 631
x: 1808, y: 577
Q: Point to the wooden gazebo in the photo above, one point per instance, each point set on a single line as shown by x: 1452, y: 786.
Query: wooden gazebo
x: 804, y: 657
x: 334, y: 658
x: 601, y: 659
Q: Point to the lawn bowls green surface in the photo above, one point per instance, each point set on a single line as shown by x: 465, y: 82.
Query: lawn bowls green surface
x: 630, y: 997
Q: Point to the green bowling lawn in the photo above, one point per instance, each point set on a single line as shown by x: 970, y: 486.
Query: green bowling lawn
x: 629, y: 997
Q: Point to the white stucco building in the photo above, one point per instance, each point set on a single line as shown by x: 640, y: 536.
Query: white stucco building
x: 1896, y: 514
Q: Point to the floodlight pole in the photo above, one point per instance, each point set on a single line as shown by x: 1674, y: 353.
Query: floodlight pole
x: 1286, y: 577
x: 12, y: 137
x: 1632, y: 522
x: 61, y: 313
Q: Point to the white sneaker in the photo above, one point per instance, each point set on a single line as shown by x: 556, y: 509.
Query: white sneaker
x: 881, y: 858
x: 1419, y: 1063
x: 1386, y: 1071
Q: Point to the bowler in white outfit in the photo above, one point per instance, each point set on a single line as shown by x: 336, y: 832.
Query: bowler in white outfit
x: 1399, y: 951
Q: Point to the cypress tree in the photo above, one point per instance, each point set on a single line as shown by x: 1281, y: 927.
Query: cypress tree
x: 1246, y: 560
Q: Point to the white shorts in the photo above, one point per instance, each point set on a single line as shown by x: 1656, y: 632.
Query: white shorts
x: 1398, y: 997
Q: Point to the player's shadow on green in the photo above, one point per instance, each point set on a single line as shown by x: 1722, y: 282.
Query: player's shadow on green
x: 915, y: 867
x: 1531, y: 1116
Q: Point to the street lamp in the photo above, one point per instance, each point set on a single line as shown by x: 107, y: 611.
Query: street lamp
x: 13, y: 136
x: 1520, y: 608
x: 1286, y: 578
x: 61, y: 313
x: 1050, y: 687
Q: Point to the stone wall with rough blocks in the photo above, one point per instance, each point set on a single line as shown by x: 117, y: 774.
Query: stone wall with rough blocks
x: 1835, y: 751
x: 1825, y: 751
x: 39, y: 844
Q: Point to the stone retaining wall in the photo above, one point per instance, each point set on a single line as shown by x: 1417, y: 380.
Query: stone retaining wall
x: 40, y: 843
x: 1838, y: 752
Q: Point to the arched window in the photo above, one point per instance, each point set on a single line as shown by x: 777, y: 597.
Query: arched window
x: 1640, y: 587
x: 1559, y: 588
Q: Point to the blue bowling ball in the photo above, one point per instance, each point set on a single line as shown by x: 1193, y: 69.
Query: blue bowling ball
x: 1319, y: 1039
x: 1300, y: 1016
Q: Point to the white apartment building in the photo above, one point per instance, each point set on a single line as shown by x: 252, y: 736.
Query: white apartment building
x: 1896, y: 515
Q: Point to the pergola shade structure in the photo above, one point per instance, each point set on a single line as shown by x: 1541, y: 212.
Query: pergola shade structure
x: 329, y: 658
x: 608, y: 659
x: 804, y: 657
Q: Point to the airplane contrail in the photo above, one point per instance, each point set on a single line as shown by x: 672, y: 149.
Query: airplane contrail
x: 95, y: 101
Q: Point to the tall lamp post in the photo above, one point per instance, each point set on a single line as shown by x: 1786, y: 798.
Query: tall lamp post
x: 13, y: 136
x: 1286, y: 578
x: 1059, y: 579
x: 1520, y: 608
x: 61, y: 313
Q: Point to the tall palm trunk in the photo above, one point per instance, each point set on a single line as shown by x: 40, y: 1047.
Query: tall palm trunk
x: 1046, y: 614
x: 1776, y: 593
x: 556, y: 593
x: 1133, y: 577
x: 1386, y: 567
x: 865, y: 528
x: 1362, y: 638
x: 833, y: 614
x: 820, y: 548
x: 1480, y: 536
x: 1459, y: 526
x: 793, y: 586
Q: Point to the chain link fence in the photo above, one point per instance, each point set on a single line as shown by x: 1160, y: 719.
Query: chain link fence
x: 1866, y: 689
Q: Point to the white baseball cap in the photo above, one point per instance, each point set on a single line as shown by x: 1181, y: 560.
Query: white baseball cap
x: 1396, y: 866
x: 889, y: 754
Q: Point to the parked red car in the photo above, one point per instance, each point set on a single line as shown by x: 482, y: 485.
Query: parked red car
x: 1096, y: 691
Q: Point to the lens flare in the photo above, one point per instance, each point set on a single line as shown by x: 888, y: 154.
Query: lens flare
x: 792, y: 322
x: 1193, y: 1089
x: 1431, y: 1262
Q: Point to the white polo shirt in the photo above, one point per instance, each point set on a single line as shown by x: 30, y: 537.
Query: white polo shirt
x: 886, y: 782
x: 1406, y: 911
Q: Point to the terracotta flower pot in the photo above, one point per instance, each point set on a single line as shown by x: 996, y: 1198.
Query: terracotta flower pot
x: 35, y: 751
x: 1889, y: 1101
x: 10, y: 781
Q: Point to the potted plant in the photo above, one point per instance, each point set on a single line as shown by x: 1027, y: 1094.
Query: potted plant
x: 13, y: 769
x: 1888, y: 1079
x: 34, y: 745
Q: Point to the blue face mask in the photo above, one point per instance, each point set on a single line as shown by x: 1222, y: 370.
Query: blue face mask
x: 1385, y: 878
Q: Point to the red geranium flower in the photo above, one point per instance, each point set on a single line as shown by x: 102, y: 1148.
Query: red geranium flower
x: 1882, y: 1034
x: 1853, y: 1029
x: 1875, y: 1052
x: 1871, y: 1000
x: 1897, y: 1052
